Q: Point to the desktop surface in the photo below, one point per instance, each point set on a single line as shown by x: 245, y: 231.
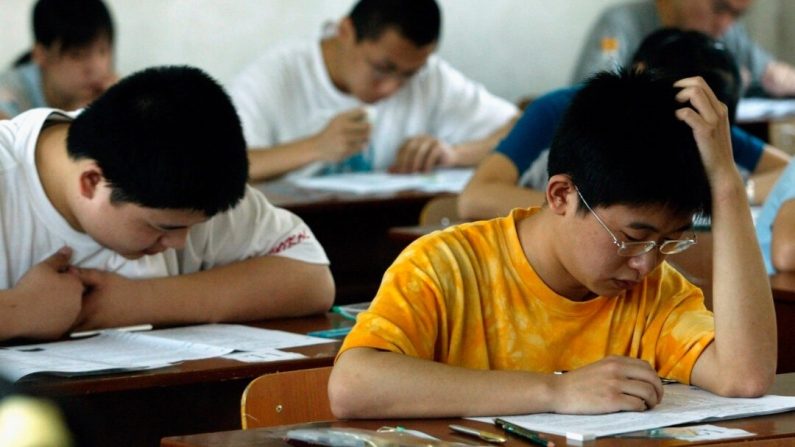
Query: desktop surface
x: 770, y: 430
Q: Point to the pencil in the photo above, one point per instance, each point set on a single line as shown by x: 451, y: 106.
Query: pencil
x: 533, y: 437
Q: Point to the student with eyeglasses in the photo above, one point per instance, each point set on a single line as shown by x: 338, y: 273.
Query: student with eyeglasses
x: 370, y: 94
x: 579, y: 284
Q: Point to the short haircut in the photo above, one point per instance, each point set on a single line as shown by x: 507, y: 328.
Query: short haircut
x: 622, y: 144
x: 71, y: 23
x: 165, y: 137
x: 676, y: 53
x: 419, y: 21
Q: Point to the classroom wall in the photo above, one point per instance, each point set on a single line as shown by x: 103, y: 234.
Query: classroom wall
x: 515, y: 47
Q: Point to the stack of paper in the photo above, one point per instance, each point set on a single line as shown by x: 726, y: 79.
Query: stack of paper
x: 113, y: 351
x: 681, y: 404
x: 443, y: 180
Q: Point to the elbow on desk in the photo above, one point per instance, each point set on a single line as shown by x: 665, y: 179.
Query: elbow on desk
x: 344, y: 397
x: 745, y: 384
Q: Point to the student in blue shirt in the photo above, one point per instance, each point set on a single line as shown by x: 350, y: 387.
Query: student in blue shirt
x: 775, y: 226
x: 516, y: 172
x: 70, y: 64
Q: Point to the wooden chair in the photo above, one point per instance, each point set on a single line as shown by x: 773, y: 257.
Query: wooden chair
x: 291, y: 397
x: 442, y: 210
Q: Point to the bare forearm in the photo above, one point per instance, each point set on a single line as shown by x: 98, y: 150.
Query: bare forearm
x: 267, y: 163
x: 12, y: 315
x: 367, y: 383
x: 487, y: 200
x: 779, y: 79
x: 472, y: 152
x: 745, y: 346
x: 254, y: 289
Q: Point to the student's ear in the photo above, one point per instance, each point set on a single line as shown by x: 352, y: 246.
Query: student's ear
x: 347, y: 32
x: 39, y: 55
x: 90, y: 179
x: 561, y: 194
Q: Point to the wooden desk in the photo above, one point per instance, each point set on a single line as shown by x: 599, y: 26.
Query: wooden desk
x: 139, y: 408
x: 783, y: 285
x: 771, y: 430
x: 353, y: 230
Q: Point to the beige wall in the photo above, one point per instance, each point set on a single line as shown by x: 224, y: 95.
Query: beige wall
x: 515, y: 47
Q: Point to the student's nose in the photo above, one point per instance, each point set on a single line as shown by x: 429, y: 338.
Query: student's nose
x: 96, y: 63
x: 646, y: 262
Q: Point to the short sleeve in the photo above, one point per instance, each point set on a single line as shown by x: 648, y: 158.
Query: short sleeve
x: 680, y: 327
x: 533, y: 133
x: 747, y: 53
x: 464, y: 109
x: 404, y: 316
x: 610, y: 25
x: 252, y: 228
x: 747, y: 149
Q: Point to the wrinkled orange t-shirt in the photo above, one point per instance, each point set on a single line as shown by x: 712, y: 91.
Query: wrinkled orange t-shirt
x: 467, y: 296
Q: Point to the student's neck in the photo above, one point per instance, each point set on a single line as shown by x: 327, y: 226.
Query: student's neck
x: 540, y: 247
x: 53, y: 164
x: 332, y: 60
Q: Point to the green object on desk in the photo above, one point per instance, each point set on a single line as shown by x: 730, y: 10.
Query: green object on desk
x: 339, y: 332
x: 529, y: 435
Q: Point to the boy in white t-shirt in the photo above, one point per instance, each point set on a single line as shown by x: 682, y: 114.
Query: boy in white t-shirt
x: 137, y: 211
x: 303, y: 104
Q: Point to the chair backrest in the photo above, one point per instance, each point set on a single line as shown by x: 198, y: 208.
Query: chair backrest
x: 442, y: 210
x: 291, y: 397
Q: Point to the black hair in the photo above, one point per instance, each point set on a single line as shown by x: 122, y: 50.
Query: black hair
x: 70, y: 24
x: 621, y: 144
x: 419, y: 21
x: 165, y: 137
x: 677, y: 53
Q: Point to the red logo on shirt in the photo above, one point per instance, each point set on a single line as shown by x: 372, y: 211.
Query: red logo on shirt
x: 291, y: 241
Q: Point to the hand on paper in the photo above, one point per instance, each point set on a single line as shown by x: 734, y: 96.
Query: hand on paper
x: 50, y: 294
x: 423, y: 153
x: 609, y: 385
x: 346, y: 134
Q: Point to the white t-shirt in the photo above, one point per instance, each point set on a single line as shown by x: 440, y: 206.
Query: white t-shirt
x: 287, y: 94
x: 31, y: 229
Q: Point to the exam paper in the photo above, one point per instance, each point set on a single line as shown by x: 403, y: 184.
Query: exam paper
x: 238, y: 337
x: 441, y: 180
x: 753, y: 109
x: 681, y: 404
x: 110, y: 351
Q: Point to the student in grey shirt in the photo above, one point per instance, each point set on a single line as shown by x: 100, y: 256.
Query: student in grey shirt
x: 620, y: 29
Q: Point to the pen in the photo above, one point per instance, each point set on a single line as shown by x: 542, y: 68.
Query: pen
x: 522, y: 432
x: 484, y: 435
x: 134, y: 328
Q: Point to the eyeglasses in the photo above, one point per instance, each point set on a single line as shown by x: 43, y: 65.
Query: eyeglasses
x: 630, y: 249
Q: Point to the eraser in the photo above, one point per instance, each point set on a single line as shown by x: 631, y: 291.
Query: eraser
x: 371, y: 114
x: 580, y: 437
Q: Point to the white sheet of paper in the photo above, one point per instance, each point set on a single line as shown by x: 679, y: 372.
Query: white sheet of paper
x: 106, y: 352
x: 751, y: 109
x: 238, y: 337
x: 263, y: 355
x: 681, y: 404
x: 442, y: 180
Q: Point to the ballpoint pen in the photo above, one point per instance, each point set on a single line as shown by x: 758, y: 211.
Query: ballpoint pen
x: 524, y: 433
x: 484, y: 435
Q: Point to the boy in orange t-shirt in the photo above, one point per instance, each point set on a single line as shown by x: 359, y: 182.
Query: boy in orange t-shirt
x: 580, y: 284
